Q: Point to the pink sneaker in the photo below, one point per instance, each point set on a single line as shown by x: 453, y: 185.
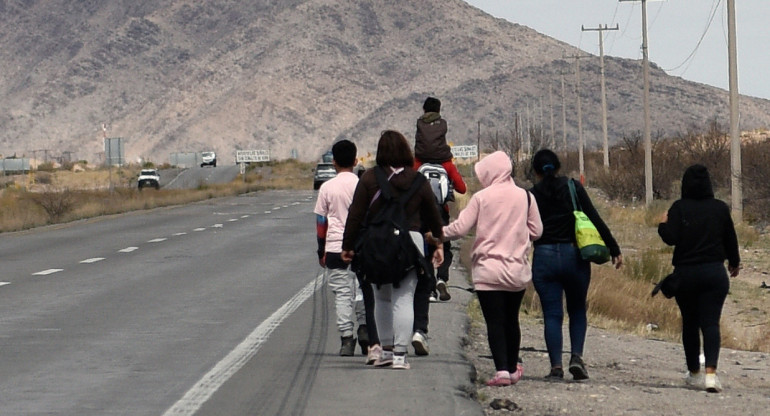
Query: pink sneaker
x: 501, y: 378
x: 374, y: 353
x: 516, y: 375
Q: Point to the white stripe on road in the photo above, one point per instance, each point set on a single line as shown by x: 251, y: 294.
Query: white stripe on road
x: 217, y: 226
x: 178, y: 234
x: 237, y: 358
x: 268, y: 212
x: 128, y: 249
x: 4, y: 283
x: 157, y: 240
x: 47, y: 272
x: 92, y: 260
x: 232, y: 219
x: 244, y: 216
x: 199, y: 229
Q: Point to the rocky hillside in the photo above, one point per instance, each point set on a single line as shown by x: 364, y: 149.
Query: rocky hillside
x: 294, y: 75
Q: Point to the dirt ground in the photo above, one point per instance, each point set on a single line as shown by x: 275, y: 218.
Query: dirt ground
x: 630, y: 374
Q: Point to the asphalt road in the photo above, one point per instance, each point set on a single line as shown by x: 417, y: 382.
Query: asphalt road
x: 196, y: 176
x: 125, y: 314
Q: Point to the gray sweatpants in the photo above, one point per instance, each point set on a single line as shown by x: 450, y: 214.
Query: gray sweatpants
x: 348, y: 304
x: 394, y: 308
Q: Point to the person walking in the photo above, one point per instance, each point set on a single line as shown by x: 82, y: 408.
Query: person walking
x: 701, y: 230
x: 506, y: 221
x: 331, y: 209
x: 393, y: 304
x: 558, y: 269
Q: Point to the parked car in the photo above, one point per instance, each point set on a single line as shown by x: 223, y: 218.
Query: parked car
x: 149, y: 178
x: 208, y: 159
x: 323, y: 172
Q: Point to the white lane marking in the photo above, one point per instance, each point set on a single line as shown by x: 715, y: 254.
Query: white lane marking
x: 128, y: 249
x: 157, y: 240
x: 199, y: 229
x: 276, y: 208
x: 47, y: 272
x: 217, y: 226
x: 4, y: 283
x: 268, y: 212
x: 232, y: 219
x: 295, y: 203
x: 238, y: 357
x: 92, y: 260
x: 178, y: 234
x: 244, y: 216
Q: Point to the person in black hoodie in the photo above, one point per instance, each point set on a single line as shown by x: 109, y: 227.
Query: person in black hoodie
x: 701, y: 230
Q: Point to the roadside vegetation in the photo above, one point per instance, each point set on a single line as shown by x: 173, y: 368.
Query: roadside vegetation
x: 618, y: 299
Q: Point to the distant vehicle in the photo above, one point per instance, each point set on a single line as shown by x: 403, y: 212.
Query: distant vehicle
x: 323, y: 172
x: 149, y: 178
x: 327, y: 157
x: 208, y: 159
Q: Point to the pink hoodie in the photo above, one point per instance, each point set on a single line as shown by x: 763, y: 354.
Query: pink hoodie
x: 505, y: 227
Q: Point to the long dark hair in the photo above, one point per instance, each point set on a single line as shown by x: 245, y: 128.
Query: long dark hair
x: 546, y: 164
x: 393, y: 150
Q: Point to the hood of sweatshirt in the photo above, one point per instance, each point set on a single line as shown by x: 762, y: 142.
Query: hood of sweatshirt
x: 696, y: 183
x: 495, y: 168
x: 430, y: 117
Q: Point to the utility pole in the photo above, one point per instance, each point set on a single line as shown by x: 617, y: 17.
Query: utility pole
x: 601, y: 29
x: 563, y: 115
x: 550, y: 107
x: 735, y: 133
x: 581, y: 144
x: 647, y: 139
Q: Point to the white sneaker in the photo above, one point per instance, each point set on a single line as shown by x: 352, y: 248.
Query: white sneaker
x: 399, y: 362
x: 712, y: 383
x: 420, y: 344
x: 694, y: 379
x: 385, y: 359
x: 433, y: 297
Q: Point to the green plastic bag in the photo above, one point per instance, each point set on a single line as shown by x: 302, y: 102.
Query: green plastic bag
x: 590, y: 243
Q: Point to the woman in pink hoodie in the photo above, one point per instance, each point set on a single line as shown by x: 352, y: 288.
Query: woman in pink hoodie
x: 507, y: 221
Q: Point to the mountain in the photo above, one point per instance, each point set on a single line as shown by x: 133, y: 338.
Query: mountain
x: 292, y: 76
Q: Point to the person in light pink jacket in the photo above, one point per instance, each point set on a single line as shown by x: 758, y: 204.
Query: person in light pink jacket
x: 507, y: 221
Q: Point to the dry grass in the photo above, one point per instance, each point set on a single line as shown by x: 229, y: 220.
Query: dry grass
x: 620, y: 300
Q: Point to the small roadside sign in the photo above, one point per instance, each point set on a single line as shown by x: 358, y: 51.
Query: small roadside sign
x: 252, y: 156
x: 464, y: 152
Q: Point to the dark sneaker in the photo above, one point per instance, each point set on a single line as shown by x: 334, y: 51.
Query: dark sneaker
x: 556, y: 372
x: 578, y: 368
x: 443, y: 291
x: 363, y: 339
x: 348, y: 348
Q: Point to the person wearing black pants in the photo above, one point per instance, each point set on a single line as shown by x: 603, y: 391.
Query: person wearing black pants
x: 701, y: 230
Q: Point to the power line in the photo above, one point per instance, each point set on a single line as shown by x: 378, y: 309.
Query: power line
x: 689, y: 57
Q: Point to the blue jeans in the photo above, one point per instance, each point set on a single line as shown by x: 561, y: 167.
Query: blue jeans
x: 558, y: 269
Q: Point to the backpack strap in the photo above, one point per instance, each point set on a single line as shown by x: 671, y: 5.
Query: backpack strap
x: 573, y: 193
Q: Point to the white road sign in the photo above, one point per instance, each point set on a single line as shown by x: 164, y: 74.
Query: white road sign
x: 462, y: 152
x: 252, y: 156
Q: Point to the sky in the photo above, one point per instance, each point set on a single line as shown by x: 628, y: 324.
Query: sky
x: 686, y: 38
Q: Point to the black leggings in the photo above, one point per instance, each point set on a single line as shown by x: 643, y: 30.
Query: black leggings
x: 501, y: 313
x: 700, y: 297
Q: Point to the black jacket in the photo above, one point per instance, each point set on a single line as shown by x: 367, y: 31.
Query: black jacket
x: 555, y: 208
x: 699, y: 226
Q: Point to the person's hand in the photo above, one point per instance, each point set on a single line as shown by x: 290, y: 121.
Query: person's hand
x: 347, y: 255
x: 617, y: 261
x: 734, y: 270
x: 322, y: 260
x: 438, y: 256
x: 430, y: 239
x: 664, y: 217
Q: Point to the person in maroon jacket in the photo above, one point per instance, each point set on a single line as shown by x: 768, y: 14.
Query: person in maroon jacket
x: 393, y: 304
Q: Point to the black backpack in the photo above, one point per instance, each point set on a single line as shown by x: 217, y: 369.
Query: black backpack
x: 384, y: 251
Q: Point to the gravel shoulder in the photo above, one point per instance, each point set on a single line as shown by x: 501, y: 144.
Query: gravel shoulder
x: 630, y: 375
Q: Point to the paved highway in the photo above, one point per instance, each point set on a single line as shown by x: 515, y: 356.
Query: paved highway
x: 196, y: 176
x: 151, y: 313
